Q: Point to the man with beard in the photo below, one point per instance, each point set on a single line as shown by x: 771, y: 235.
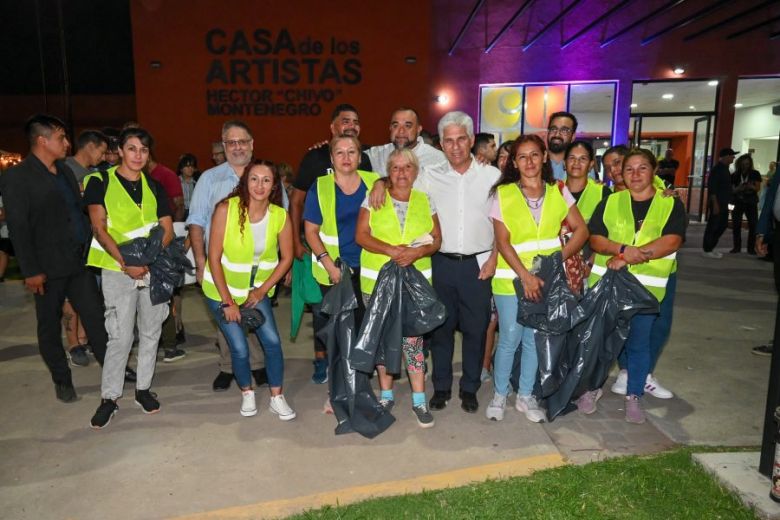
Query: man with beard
x: 405, y: 131
x: 485, y: 150
x: 214, y: 185
x: 560, y: 132
x: 316, y: 163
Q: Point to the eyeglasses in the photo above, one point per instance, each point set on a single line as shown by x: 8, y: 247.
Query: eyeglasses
x: 235, y: 143
x: 564, y: 130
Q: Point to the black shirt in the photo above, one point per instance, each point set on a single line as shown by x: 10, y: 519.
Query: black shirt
x: 744, y: 191
x: 95, y: 193
x: 676, y: 225
x: 316, y: 163
x: 719, y: 183
x: 76, y: 220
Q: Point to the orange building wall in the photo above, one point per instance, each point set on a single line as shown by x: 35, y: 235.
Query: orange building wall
x: 172, y: 98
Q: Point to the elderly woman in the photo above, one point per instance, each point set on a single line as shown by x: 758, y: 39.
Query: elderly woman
x: 527, y: 213
x: 330, y: 217
x: 386, y: 234
x: 249, y: 229
x: 641, y: 229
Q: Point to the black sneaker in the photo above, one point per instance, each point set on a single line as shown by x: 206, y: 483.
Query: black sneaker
x: 65, y: 392
x: 181, y: 339
x: 103, y: 414
x: 261, y: 376
x: 763, y: 350
x: 439, y: 399
x: 147, y: 401
x: 130, y: 375
x: 173, y: 354
x: 424, y: 416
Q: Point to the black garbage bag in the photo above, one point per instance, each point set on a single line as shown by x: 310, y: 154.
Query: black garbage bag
x: 403, y: 304
x: 557, y: 313
x: 594, y: 344
x: 354, y: 403
x: 167, y: 265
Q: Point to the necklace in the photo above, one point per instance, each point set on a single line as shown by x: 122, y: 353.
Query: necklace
x: 533, y: 203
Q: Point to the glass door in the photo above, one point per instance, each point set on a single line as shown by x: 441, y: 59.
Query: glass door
x: 700, y: 162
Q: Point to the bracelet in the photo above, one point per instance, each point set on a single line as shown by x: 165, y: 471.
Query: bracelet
x: 226, y: 305
x: 320, y: 256
x: 622, y: 250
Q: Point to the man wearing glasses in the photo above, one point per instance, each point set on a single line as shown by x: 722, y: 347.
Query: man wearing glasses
x: 560, y: 132
x: 214, y: 185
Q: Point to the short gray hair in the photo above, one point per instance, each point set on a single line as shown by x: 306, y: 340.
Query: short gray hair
x: 235, y: 123
x: 457, y: 118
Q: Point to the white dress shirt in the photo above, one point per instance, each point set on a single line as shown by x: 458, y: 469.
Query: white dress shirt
x: 463, y: 205
x: 426, y: 154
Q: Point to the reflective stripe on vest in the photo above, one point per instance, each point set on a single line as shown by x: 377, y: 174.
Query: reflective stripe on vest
x: 238, y: 254
x: 124, y: 219
x: 590, y: 198
x: 329, y: 233
x: 528, y: 238
x: 386, y: 227
x: 619, y: 221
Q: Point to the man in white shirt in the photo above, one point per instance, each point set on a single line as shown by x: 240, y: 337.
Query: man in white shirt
x: 405, y: 131
x: 462, y: 269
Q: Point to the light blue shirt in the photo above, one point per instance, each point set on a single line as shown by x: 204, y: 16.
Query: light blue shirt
x: 559, y: 172
x: 214, y: 185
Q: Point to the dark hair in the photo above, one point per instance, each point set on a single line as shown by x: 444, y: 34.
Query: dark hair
x: 579, y: 142
x: 620, y: 149
x: 506, y: 145
x: 480, y: 139
x: 343, y: 107
x: 112, y: 137
x: 744, y: 164
x: 511, y: 174
x: 641, y: 152
x: 41, y: 125
x: 404, y: 109
x: 90, y: 136
x: 235, y: 123
x: 564, y: 114
x: 142, y: 135
x: 242, y: 190
x: 187, y: 159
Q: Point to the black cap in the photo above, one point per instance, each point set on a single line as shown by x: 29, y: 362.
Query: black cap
x: 726, y: 152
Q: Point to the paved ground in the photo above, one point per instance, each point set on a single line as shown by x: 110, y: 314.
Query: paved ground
x: 199, y: 455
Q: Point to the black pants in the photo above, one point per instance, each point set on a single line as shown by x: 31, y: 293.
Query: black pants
x: 82, y: 291
x: 319, y: 320
x: 751, y: 213
x: 467, y: 299
x: 716, y: 225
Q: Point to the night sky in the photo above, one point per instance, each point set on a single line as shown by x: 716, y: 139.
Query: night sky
x: 98, y: 44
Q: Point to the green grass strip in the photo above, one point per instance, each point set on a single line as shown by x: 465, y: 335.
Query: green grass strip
x: 659, y: 487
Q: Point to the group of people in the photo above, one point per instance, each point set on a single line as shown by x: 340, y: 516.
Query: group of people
x: 470, y: 227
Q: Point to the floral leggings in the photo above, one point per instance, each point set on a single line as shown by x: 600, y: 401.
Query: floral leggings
x: 411, y: 347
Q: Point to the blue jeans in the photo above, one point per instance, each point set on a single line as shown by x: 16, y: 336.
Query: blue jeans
x: 662, y: 326
x: 268, y: 335
x: 510, y: 337
x: 637, y: 351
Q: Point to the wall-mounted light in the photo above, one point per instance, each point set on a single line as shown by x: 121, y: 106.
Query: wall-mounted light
x: 713, y: 83
x: 634, y: 105
x: 411, y: 59
x: 442, y: 99
x: 691, y: 107
x: 668, y: 96
x: 737, y: 105
x: 679, y: 70
x: 155, y: 64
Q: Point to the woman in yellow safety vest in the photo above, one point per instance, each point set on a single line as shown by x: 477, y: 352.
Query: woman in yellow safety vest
x: 249, y: 230
x: 527, y: 213
x: 386, y: 234
x: 639, y: 228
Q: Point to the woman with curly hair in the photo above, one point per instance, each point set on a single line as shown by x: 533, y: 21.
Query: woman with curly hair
x: 249, y: 230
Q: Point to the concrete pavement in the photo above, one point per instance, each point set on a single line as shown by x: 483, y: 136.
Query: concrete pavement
x: 199, y: 455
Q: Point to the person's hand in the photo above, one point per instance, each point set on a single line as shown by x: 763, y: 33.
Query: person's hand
x: 406, y: 256
x: 298, y: 248
x: 199, y: 270
x: 376, y: 199
x: 488, y: 269
x: 35, y: 284
x: 482, y: 161
x: 232, y: 313
x: 761, y: 247
x: 634, y: 255
x: 532, y: 287
x: 715, y: 209
x: 254, y: 297
x: 287, y: 280
x: 334, y: 273
x: 670, y: 192
x: 136, y: 272
x: 616, y: 263
x: 317, y: 145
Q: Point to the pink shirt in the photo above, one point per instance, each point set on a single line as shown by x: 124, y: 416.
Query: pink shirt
x: 169, y: 181
x: 495, y: 207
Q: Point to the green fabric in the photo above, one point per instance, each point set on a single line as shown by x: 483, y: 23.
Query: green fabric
x: 305, y: 289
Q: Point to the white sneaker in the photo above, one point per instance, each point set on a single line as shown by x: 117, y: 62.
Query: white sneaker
x: 248, y: 407
x: 712, y: 254
x: 620, y: 386
x: 495, y: 410
x: 280, y: 407
x: 528, y: 405
x: 654, y: 388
